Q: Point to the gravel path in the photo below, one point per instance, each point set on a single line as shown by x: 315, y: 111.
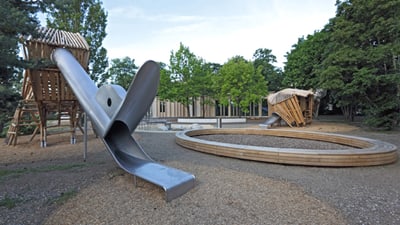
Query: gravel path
x: 231, y: 191
x: 221, y: 196
x: 364, y: 195
x: 227, y: 191
x: 271, y: 141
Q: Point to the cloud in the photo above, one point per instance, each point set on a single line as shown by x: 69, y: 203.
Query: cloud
x: 126, y: 12
x: 178, y: 18
x: 215, y: 31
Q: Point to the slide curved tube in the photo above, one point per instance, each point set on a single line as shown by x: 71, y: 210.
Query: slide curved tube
x: 115, y: 119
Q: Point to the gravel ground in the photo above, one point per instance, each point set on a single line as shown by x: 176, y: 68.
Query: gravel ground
x: 363, y: 195
x: 271, y: 141
x: 227, y: 191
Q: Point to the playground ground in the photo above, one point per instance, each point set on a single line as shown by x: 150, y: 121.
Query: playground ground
x: 54, y: 186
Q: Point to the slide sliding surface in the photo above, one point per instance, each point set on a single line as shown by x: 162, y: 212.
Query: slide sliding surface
x: 115, y: 115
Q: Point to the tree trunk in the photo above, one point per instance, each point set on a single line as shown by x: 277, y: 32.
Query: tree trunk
x: 193, y: 107
x: 188, y: 107
x: 348, y: 112
x: 203, y: 108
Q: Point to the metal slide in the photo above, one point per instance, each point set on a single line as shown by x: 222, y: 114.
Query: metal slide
x: 271, y: 120
x: 115, y: 115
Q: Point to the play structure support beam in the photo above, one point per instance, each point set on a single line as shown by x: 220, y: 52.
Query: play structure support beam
x: 85, y: 137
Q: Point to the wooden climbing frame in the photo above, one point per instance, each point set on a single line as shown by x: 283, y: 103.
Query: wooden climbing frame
x: 45, y: 92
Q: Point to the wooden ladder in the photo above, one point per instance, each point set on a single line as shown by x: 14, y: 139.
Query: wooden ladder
x: 18, y: 121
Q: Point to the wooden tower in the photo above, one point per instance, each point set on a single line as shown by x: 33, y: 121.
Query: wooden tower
x: 45, y: 93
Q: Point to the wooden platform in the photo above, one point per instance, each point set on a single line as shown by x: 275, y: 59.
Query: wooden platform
x: 367, y: 152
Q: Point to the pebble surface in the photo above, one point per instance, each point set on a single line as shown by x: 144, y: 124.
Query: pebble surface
x: 231, y: 191
x: 227, y: 191
x: 272, y: 141
x: 221, y: 196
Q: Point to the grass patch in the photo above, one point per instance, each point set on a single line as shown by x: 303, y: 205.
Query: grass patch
x: 64, y: 197
x: 8, y: 202
x: 59, y: 167
x: 4, y: 173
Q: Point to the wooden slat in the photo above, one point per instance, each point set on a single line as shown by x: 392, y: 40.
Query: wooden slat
x: 296, y: 110
x: 281, y: 109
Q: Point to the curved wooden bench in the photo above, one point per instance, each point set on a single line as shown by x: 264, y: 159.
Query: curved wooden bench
x: 366, y: 152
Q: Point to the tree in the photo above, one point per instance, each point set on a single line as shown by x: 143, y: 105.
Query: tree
x: 88, y: 18
x: 122, y: 71
x: 241, y: 84
x: 205, y: 86
x: 165, y: 88
x: 185, y: 66
x: 264, y: 58
x: 18, y: 18
x: 304, y: 61
x: 361, y: 67
x: 355, y: 58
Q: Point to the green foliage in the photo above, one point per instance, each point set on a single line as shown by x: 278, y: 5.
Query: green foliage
x: 88, y: 18
x: 384, y: 102
x: 206, y: 86
x: 18, y: 18
x: 365, y: 42
x: 356, y: 58
x: 122, y: 71
x: 9, y: 202
x: 8, y: 103
x: 165, y: 88
x: 238, y: 81
x: 188, y: 78
x: 303, y: 61
x: 186, y: 68
x: 241, y: 84
x: 263, y: 58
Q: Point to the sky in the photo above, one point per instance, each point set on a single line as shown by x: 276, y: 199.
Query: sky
x: 215, y: 30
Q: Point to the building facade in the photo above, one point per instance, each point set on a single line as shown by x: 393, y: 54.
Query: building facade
x: 164, y: 108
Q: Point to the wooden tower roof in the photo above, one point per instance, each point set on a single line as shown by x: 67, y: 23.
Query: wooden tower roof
x: 60, y: 38
x: 48, y: 39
